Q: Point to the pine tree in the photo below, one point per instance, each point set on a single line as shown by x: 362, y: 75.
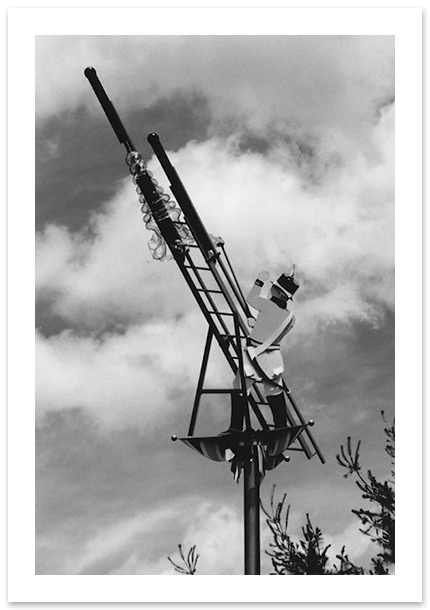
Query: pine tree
x: 309, y: 555
x: 378, y: 523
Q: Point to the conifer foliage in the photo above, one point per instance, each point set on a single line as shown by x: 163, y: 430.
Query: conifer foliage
x: 309, y: 555
x: 379, y: 521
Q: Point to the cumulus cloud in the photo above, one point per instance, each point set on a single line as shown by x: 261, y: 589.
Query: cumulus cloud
x: 217, y: 533
x: 319, y: 194
x: 141, y: 544
x: 118, y: 546
x: 133, y: 545
x: 323, y: 81
x: 123, y: 378
x: 105, y: 273
x: 358, y: 547
x: 340, y: 233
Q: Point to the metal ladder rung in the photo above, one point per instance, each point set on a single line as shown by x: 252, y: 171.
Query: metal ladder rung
x: 231, y: 336
x: 220, y: 391
x: 226, y: 338
x: 210, y: 290
x: 196, y: 267
x: 221, y: 313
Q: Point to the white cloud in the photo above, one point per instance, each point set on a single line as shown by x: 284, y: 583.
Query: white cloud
x: 106, y: 275
x: 358, y: 547
x: 142, y: 543
x: 330, y: 211
x: 117, y: 546
x: 122, y: 379
x: 217, y: 532
x: 339, y: 233
x: 323, y: 81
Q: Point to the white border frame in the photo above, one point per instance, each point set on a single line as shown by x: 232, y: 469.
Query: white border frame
x: 24, y: 25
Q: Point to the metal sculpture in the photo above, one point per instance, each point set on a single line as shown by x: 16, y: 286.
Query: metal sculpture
x: 262, y: 360
x: 252, y: 354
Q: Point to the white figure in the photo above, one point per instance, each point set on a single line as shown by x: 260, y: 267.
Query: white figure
x: 262, y: 356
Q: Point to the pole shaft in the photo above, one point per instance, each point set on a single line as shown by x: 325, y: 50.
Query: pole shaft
x: 251, y: 488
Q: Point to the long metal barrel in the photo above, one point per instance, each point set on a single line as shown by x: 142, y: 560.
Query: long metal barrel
x: 148, y: 187
x: 182, y: 197
x: 109, y: 109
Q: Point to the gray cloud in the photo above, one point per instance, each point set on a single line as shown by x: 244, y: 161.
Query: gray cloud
x: 322, y: 81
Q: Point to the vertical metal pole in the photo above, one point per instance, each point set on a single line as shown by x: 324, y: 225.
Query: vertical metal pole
x: 251, y: 488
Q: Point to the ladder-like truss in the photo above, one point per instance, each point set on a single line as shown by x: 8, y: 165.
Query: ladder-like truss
x: 208, y: 272
x: 217, y: 292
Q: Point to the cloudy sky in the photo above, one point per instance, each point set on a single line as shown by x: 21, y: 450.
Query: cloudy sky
x: 286, y: 145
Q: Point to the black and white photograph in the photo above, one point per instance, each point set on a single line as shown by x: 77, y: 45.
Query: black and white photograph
x: 216, y: 322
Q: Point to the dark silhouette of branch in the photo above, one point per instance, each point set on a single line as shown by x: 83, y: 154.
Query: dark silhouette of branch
x: 378, y: 523
x: 309, y: 555
x: 189, y: 561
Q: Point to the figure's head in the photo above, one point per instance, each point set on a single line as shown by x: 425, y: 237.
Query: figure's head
x: 285, y: 286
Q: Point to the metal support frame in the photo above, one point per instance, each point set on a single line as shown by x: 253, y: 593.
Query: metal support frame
x: 200, y: 382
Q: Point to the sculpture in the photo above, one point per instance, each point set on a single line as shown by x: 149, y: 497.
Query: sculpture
x: 262, y: 356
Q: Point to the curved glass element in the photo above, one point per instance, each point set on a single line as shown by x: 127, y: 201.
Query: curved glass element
x: 157, y: 244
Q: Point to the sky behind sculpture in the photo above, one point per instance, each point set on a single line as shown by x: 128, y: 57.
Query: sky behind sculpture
x: 286, y: 146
